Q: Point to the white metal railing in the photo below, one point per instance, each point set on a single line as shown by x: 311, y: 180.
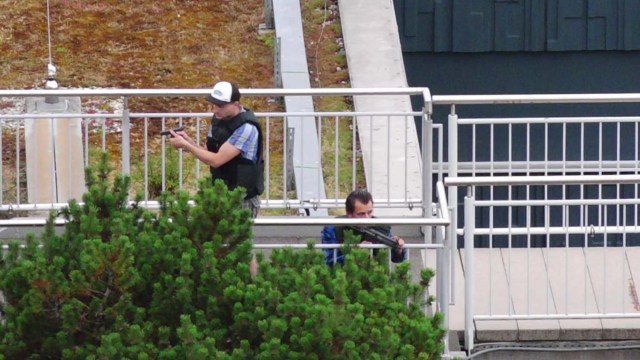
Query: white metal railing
x: 142, y: 162
x: 551, y: 206
x: 565, y: 161
x: 538, y: 276
x: 199, y: 121
x: 577, y: 208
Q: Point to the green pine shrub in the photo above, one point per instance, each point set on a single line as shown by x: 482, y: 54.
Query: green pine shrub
x: 124, y: 282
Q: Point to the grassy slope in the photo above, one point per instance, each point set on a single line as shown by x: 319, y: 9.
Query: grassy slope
x: 170, y: 44
x: 135, y: 44
x: 328, y: 68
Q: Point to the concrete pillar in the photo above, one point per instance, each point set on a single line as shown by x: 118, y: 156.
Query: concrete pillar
x: 55, y: 161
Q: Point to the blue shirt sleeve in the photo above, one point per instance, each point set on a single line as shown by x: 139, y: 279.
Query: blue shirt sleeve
x: 328, y: 236
x: 245, y: 139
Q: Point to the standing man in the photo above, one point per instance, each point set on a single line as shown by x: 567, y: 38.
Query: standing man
x: 359, y: 204
x: 234, y: 145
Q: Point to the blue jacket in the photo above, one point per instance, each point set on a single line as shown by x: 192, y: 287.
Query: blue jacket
x: 329, y: 236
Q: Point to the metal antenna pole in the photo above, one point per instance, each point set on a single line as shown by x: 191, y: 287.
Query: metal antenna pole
x: 51, y: 69
x: 49, y: 30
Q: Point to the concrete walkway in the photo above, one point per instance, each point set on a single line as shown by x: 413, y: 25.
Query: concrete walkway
x: 544, y: 281
x: 374, y: 58
x: 55, y: 162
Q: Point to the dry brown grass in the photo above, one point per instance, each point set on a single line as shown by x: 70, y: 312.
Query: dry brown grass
x: 136, y: 44
x: 327, y: 64
x: 165, y: 44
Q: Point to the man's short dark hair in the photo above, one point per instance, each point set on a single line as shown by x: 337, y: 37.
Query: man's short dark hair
x: 361, y: 195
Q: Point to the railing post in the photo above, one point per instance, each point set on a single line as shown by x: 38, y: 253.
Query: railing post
x: 427, y: 161
x: 268, y: 14
x: 443, y: 279
x: 277, y: 65
x: 126, y: 138
x: 452, y: 198
x: 469, y: 274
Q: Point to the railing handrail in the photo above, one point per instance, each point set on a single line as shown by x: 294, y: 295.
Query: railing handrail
x: 320, y: 246
x: 338, y: 246
x: 435, y: 99
x: 289, y: 203
x: 313, y: 115
x: 541, y: 180
x: 552, y: 230
x: 546, y: 120
x: 203, y: 92
x: 290, y: 221
x: 534, y: 99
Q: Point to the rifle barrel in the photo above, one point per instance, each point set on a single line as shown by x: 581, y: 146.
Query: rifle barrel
x: 378, y: 236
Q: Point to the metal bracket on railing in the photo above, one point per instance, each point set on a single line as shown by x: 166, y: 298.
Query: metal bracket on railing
x: 410, y: 205
x: 592, y: 231
x: 428, y: 102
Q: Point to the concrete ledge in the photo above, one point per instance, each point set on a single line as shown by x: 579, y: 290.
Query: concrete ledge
x: 262, y: 233
x: 496, y: 335
x: 561, y: 350
x: 557, y: 335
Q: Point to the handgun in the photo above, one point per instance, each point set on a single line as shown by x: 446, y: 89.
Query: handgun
x: 167, y: 132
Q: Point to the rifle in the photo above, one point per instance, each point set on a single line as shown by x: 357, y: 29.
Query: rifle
x: 376, y: 236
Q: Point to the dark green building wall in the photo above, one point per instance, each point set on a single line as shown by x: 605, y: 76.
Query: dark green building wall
x: 518, y: 25
x: 526, y: 47
x: 522, y: 47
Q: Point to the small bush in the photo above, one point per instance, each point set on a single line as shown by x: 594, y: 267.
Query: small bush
x: 123, y: 282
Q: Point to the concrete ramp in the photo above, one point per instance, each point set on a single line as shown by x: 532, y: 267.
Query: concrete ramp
x: 389, y: 144
x: 55, y: 162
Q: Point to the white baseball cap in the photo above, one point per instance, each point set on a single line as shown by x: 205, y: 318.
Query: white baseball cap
x: 223, y: 93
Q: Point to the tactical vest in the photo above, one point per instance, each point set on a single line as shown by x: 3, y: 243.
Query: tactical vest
x: 238, y: 171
